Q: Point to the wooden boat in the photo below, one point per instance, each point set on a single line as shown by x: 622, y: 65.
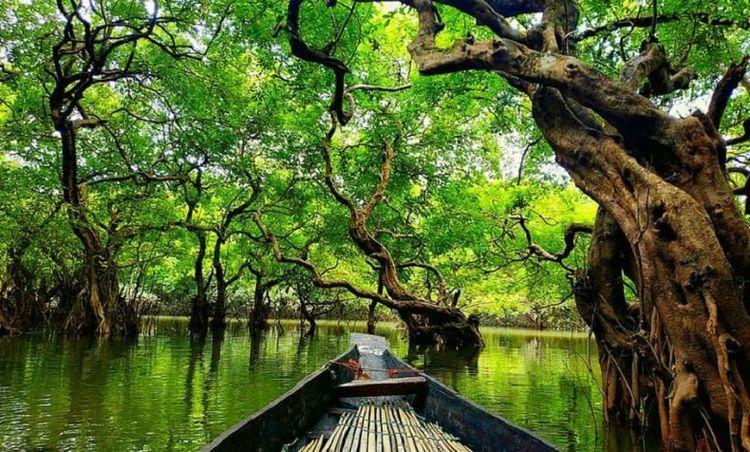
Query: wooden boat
x: 369, y: 400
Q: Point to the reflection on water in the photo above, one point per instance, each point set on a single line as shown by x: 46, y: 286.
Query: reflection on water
x: 164, y: 392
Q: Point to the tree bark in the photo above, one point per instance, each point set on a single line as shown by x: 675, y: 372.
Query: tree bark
x: 685, y: 281
x: 101, y: 310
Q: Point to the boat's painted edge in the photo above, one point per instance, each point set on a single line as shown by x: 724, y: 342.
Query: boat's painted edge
x: 240, y: 435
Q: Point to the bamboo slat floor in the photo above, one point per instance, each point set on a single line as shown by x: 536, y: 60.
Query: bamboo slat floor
x: 385, y: 427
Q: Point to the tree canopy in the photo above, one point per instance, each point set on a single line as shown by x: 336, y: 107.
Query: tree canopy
x: 214, y: 103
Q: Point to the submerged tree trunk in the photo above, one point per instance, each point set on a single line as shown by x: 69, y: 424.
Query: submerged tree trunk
x: 259, y: 312
x: 427, y: 321
x: 371, y: 317
x: 310, y: 318
x: 20, y: 307
x: 439, y: 321
x: 199, y: 308
x: 261, y: 308
x: 308, y: 315
x: 101, y: 310
x: 218, y: 320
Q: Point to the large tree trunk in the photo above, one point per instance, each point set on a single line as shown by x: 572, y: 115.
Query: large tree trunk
x: 102, y: 310
x: 687, y: 346
x: 199, y: 308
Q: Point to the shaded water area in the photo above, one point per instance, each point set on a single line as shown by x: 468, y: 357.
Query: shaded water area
x: 164, y: 393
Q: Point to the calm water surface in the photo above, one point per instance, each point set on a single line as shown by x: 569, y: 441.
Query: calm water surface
x: 164, y: 393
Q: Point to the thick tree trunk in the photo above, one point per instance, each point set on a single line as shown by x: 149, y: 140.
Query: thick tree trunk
x: 219, y: 317
x: 691, y: 340
x: 199, y: 308
x: 102, y: 310
x: 600, y: 299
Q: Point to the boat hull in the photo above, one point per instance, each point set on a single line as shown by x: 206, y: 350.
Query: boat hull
x: 312, y: 408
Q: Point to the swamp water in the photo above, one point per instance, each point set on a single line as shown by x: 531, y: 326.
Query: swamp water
x: 164, y: 393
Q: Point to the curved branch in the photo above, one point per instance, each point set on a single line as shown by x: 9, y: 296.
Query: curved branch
x: 652, y: 67
x: 632, y: 114
x: 525, y: 152
x: 485, y: 15
x: 387, y: 89
x: 326, y: 149
x: 571, y: 232
x: 442, y: 292
x: 385, y: 173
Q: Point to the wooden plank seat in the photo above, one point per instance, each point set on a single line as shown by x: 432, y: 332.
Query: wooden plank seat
x: 385, y: 427
x: 389, y: 387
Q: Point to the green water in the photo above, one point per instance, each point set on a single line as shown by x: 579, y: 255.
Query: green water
x: 163, y: 393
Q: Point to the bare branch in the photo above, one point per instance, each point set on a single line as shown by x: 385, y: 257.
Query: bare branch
x: 571, y: 232
x: 389, y: 89
x: 385, y: 172
x: 442, y: 292
x: 652, y: 67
